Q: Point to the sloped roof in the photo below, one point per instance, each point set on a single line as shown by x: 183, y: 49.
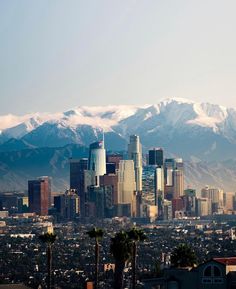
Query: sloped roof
x: 226, y: 261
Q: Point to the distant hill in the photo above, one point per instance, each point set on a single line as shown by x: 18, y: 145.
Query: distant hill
x: 17, y: 167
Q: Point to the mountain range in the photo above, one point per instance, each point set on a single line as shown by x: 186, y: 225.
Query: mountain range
x: 203, y: 134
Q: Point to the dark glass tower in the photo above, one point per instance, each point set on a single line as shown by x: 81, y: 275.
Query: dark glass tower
x: 77, y: 168
x: 155, y: 157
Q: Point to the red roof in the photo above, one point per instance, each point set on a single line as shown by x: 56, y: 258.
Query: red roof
x: 226, y: 261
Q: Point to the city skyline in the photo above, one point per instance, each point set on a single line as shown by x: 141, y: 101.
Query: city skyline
x: 56, y: 56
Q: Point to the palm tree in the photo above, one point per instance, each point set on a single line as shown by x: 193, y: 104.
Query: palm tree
x: 136, y: 235
x: 97, y: 234
x: 121, y: 248
x: 183, y: 256
x: 49, y: 239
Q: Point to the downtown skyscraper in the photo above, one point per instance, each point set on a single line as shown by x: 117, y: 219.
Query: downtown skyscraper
x: 97, y: 160
x: 39, y: 193
x: 135, y: 154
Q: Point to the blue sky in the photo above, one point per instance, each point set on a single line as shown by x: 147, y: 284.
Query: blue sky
x: 58, y: 54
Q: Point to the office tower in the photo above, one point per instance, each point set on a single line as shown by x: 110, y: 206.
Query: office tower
x: 178, y: 183
x: 159, y: 187
x: 167, y: 210
x: 67, y: 205
x: 177, y: 206
x: 71, y: 204
x: 135, y: 154
x: 229, y: 199
x: 215, y: 197
x: 155, y: 157
x: 189, y: 199
x: 100, y: 198
x: 127, y: 185
x: 112, y: 181
x: 169, y: 168
x: 77, y: 180
x: 202, y: 207
x: 97, y: 160
x: 77, y: 167
x: 38, y: 193
x: 48, y: 187
x: 174, y: 178
x: 59, y: 205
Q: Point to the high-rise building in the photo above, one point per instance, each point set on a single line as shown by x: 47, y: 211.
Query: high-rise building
x: 112, y: 181
x: 127, y: 185
x: 77, y: 180
x: 77, y: 167
x: 48, y: 184
x: 167, y: 210
x: 159, y: 187
x: 174, y: 178
x: 177, y: 205
x: 189, y: 199
x: 101, y: 198
x: 229, y: 200
x: 155, y: 157
x: 97, y: 160
x: 215, y: 197
x: 202, y: 207
x: 38, y: 192
x: 67, y: 205
x: 178, y: 183
x: 135, y: 154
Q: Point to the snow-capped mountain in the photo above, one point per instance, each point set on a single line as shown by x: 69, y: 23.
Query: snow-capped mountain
x: 39, y: 144
x: 182, y: 127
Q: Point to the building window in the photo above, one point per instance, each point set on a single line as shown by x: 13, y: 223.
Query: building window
x: 212, y: 274
x: 207, y: 271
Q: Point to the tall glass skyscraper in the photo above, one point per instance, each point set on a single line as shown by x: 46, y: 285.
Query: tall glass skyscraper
x: 97, y: 159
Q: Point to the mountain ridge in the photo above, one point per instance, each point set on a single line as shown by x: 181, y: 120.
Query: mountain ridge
x: 203, y: 134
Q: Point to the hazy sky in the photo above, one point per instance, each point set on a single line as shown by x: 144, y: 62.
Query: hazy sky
x: 58, y: 54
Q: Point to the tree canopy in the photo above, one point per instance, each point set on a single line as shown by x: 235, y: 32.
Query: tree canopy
x: 183, y: 256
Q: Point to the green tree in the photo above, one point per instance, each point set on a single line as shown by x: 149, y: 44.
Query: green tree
x: 183, y: 256
x: 121, y: 249
x: 48, y: 239
x: 136, y: 235
x: 97, y: 235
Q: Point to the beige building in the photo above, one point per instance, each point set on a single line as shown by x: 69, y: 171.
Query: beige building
x: 127, y: 185
x: 229, y: 199
x: 214, y: 195
x: 203, y: 208
x: 135, y: 154
x: 178, y: 183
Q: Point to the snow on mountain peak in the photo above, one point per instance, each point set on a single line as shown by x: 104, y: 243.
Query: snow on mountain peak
x: 178, y: 100
x: 103, y: 117
x: 175, y: 111
x: 209, y: 115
